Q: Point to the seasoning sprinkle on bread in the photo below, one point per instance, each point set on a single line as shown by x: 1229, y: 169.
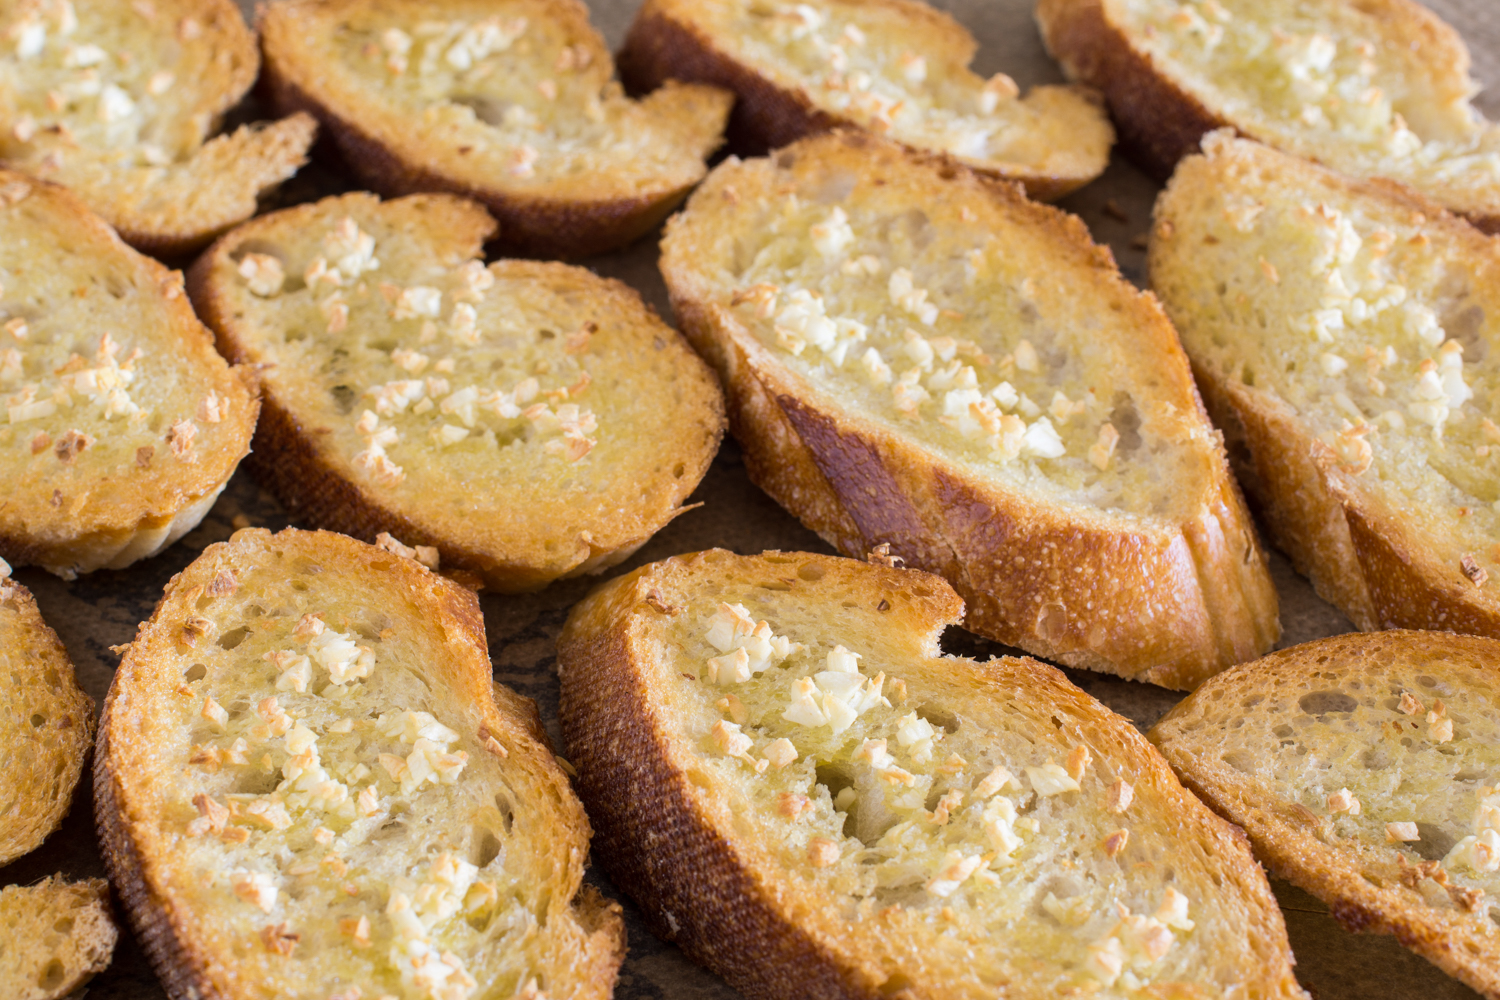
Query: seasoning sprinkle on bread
x: 808, y: 797
x: 119, y: 101
x: 1363, y: 768
x: 920, y: 357
x: 1344, y: 335
x: 124, y: 424
x: 1371, y: 88
x: 510, y: 102
x: 528, y: 420
x: 895, y: 67
x: 305, y: 788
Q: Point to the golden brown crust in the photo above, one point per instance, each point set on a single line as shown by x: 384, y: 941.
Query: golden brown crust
x: 46, y: 725
x: 532, y: 223
x: 660, y: 47
x: 1362, y: 884
x: 666, y: 836
x: 192, y: 951
x: 76, y: 517
x: 859, y: 485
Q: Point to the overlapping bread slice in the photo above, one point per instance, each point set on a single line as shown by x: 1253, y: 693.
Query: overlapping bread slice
x: 46, y: 724
x: 54, y: 937
x: 1362, y: 768
x: 305, y: 788
x: 124, y: 424
x: 1345, y: 336
x: 1372, y: 88
x: 507, y: 101
x: 808, y: 797
x: 918, y: 357
x: 896, y: 67
x: 529, y: 420
x: 119, y: 100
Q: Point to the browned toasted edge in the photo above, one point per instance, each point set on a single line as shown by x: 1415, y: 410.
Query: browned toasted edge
x: 83, y: 707
x: 556, y: 228
x: 1292, y: 846
x: 186, y: 972
x: 650, y: 835
x: 766, y: 116
x: 858, y: 487
x: 1358, y: 555
x: 1159, y: 123
x: 285, y: 459
x: 658, y: 845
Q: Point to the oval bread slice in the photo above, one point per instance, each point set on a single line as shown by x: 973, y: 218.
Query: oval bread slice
x: 124, y: 424
x: 896, y: 67
x: 118, y: 101
x: 529, y: 420
x: 1362, y: 767
x: 54, y: 937
x: 1346, y: 336
x: 919, y: 357
x: 507, y: 101
x: 1372, y: 88
x: 811, y: 799
x: 305, y: 787
x: 46, y: 724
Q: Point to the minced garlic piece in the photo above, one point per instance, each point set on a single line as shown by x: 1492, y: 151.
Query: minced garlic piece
x: 263, y: 274
x: 256, y: 888
x: 1343, y: 801
x: 955, y: 870
x: 1050, y: 779
x: 1401, y: 832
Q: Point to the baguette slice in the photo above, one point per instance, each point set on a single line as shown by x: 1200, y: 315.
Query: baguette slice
x: 305, y: 788
x: 507, y: 101
x: 1372, y: 88
x: 46, y: 724
x: 870, y: 855
x: 413, y: 391
x: 1361, y: 766
x: 918, y: 357
x: 118, y: 101
x: 1312, y: 308
x: 54, y: 937
x: 892, y: 66
x: 124, y: 424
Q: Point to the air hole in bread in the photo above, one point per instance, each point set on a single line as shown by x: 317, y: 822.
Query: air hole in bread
x: 940, y: 717
x: 195, y: 673
x: 52, y: 975
x: 51, y: 676
x: 1435, y: 844
x: 507, y: 810
x: 38, y: 720
x: 1241, y: 760
x: 343, y: 396
x: 232, y: 638
x: 1323, y: 702
x: 811, y: 572
x: 486, y: 846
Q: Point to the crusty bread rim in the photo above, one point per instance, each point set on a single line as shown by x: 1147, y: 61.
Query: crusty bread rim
x: 1290, y: 840
x: 1361, y: 556
x: 763, y: 934
x: 859, y: 484
x: 660, y: 47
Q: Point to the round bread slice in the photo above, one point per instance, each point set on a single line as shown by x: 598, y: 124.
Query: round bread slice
x: 1370, y: 88
x: 896, y: 67
x: 124, y: 423
x: 306, y: 788
x: 507, y: 101
x: 118, y: 101
x: 46, y: 724
x: 1364, y: 767
x: 809, y: 798
x: 919, y: 356
x: 529, y: 420
x: 54, y: 937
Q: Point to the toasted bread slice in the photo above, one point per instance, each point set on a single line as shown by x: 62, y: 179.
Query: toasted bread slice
x: 54, y: 936
x: 124, y: 424
x: 507, y: 101
x: 1372, y: 88
x: 893, y: 66
x: 118, y: 101
x: 1360, y: 766
x: 1345, y: 336
x: 919, y: 357
x: 530, y: 420
x: 808, y: 797
x: 46, y: 724
x: 305, y: 788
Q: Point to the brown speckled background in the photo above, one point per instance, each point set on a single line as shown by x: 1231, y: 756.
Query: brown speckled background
x: 101, y: 610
